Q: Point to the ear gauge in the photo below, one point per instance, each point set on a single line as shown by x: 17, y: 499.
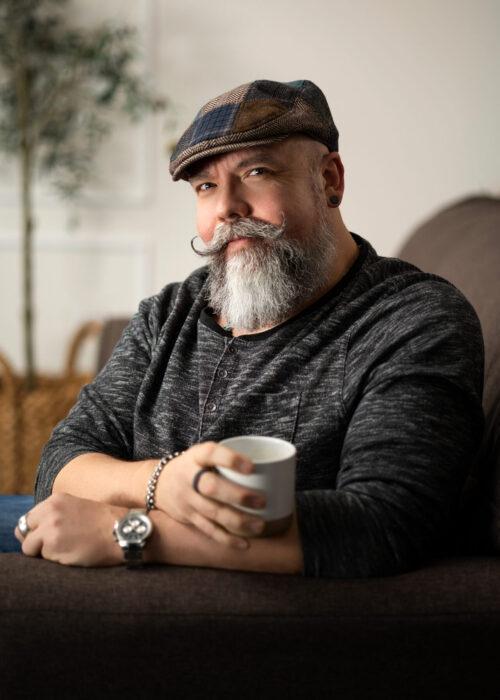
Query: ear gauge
x: 334, y: 200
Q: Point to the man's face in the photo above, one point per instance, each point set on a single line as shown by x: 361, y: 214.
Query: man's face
x: 265, y: 183
x: 263, y: 216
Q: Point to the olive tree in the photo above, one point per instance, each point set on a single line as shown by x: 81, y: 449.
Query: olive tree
x: 60, y: 88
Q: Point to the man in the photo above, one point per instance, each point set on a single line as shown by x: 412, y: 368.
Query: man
x: 296, y: 329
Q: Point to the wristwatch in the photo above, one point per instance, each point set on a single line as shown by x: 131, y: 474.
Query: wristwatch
x: 131, y: 532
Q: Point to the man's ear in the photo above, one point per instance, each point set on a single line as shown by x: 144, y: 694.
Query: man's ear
x: 332, y: 171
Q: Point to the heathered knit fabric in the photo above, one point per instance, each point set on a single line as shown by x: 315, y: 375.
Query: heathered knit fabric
x: 378, y: 384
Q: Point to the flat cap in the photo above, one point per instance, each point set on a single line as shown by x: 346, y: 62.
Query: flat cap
x: 252, y: 114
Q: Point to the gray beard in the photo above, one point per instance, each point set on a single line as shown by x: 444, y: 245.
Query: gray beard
x: 263, y: 285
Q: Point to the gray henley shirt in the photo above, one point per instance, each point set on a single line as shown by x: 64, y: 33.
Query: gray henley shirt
x: 378, y: 384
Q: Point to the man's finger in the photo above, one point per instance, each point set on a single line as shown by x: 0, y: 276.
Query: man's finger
x: 32, y: 543
x: 211, y: 454
x: 24, y: 526
x: 211, y: 485
x: 231, y: 519
x: 212, y: 530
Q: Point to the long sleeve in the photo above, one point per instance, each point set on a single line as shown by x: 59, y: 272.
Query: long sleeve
x: 103, y: 418
x: 412, y: 391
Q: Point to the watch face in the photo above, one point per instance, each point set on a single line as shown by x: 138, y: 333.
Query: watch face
x: 134, y: 528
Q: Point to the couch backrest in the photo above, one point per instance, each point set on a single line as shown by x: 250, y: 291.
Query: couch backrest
x: 111, y: 334
x: 462, y: 244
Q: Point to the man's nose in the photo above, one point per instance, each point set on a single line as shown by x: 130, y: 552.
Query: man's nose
x: 231, y: 203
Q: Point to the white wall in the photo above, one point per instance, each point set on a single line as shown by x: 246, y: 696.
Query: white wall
x: 414, y: 90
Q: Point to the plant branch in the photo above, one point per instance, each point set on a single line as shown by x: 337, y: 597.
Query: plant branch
x: 25, y: 157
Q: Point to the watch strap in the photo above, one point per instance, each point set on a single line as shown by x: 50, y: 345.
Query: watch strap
x: 132, y: 554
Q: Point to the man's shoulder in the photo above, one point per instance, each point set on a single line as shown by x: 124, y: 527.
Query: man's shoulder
x: 191, y: 285
x: 395, y: 282
x: 175, y: 294
x: 406, y: 322
x: 399, y: 303
x: 391, y: 273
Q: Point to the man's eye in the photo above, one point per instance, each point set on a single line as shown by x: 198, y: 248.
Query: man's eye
x: 258, y: 171
x: 205, y: 186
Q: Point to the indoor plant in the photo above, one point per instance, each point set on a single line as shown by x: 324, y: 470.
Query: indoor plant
x: 59, y: 88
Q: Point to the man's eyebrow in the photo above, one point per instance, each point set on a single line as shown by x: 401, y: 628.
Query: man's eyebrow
x: 204, y: 173
x: 258, y: 157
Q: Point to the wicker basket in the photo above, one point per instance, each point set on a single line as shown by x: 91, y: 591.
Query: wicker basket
x: 28, y: 418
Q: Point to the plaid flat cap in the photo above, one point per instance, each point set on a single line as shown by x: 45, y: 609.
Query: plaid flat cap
x: 252, y: 114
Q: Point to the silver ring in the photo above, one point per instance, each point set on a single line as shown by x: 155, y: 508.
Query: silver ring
x: 23, y: 526
x: 198, y: 476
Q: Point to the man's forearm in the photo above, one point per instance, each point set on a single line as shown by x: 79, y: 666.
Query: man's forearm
x: 106, y: 479
x: 175, y: 543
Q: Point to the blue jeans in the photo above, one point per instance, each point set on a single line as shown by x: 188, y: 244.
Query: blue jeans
x: 11, y: 509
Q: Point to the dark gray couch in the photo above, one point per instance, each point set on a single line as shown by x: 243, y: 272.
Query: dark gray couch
x: 188, y: 633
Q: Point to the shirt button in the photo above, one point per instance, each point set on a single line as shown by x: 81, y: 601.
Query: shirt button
x: 222, y: 373
x: 231, y: 350
x: 211, y: 407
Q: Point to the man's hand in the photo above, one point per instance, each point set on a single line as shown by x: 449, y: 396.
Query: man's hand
x: 211, y: 510
x: 72, y: 530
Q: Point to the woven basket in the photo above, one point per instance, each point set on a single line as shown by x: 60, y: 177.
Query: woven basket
x: 28, y: 418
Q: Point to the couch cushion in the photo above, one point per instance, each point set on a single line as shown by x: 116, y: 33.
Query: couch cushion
x: 462, y: 244
x: 186, y: 633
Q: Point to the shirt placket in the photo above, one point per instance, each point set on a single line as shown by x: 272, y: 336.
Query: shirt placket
x: 219, y: 384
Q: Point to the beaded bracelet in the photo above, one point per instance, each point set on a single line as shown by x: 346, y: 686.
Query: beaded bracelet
x: 150, y: 491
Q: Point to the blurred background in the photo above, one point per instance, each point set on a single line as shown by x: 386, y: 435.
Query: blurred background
x: 414, y: 91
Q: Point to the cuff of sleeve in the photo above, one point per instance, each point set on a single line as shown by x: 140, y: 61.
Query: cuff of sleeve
x: 311, y: 540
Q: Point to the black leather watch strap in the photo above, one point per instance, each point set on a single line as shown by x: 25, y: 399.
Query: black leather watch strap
x: 132, y: 554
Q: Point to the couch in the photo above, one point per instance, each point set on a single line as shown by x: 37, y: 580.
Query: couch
x: 187, y: 633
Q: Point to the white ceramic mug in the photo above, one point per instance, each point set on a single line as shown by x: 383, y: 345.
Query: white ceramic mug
x: 274, y: 474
